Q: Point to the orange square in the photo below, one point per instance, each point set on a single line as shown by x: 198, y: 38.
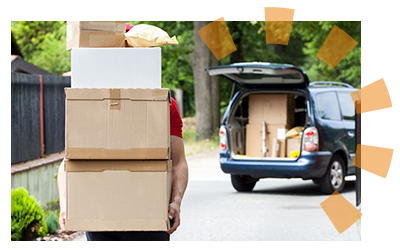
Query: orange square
x: 375, y: 96
x: 218, y: 39
x: 375, y: 160
x: 341, y: 212
x: 278, y: 24
x: 336, y: 46
x: 278, y: 32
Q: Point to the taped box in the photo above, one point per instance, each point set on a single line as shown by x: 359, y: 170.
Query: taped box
x: 116, y: 68
x: 117, y: 124
x: 95, y: 34
x: 117, y: 195
x: 272, y: 108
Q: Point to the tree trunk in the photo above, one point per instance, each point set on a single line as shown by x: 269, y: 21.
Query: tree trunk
x: 202, y: 89
x: 237, y: 55
x: 215, y: 102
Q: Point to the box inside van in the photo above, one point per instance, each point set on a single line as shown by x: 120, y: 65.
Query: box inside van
x: 268, y: 125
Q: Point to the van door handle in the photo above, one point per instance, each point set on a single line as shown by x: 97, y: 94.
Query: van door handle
x: 350, y: 133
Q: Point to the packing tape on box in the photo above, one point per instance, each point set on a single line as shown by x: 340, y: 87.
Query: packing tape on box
x: 115, y: 26
x: 131, y: 166
x: 122, y: 154
x: 115, y: 94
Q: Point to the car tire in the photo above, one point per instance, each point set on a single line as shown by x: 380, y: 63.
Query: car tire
x: 243, y: 183
x: 334, y: 176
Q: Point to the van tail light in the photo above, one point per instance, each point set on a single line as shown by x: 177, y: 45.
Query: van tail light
x: 310, y: 139
x: 222, y: 139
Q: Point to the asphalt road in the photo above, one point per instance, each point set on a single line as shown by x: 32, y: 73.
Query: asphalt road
x: 277, y: 209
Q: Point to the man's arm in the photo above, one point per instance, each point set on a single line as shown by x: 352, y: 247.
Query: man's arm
x: 179, y: 180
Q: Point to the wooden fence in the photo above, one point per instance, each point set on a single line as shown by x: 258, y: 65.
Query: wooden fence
x: 37, y: 115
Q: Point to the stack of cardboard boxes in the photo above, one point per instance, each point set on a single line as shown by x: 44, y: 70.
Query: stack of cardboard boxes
x: 117, y: 137
x: 270, y: 116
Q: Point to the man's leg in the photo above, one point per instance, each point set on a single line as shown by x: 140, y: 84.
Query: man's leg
x: 144, y: 236
x: 102, y: 236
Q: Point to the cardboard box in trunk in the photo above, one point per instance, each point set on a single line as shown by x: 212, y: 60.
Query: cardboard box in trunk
x: 116, y: 68
x: 95, y: 34
x: 117, y: 195
x: 105, y: 124
x: 293, y: 144
x: 272, y: 108
x: 275, y: 140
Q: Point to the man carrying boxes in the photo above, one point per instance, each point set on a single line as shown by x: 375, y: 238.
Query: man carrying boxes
x: 125, y: 171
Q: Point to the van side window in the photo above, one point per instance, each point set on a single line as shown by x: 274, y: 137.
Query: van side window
x: 346, y: 106
x: 328, y: 106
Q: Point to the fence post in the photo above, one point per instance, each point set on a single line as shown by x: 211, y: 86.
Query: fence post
x: 41, y: 118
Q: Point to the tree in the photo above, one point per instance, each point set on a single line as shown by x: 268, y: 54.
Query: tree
x: 202, y: 90
x: 43, y: 44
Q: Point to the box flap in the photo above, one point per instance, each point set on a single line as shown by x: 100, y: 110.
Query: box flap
x: 127, y: 94
x: 123, y: 225
x: 116, y: 26
x: 131, y: 166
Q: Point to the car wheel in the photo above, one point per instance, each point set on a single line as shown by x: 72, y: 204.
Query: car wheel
x: 334, y: 176
x: 243, y: 183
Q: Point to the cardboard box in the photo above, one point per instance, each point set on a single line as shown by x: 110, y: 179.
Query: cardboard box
x: 116, y: 68
x: 254, y: 140
x: 95, y: 34
x: 104, y: 124
x: 272, y: 108
x: 117, y: 195
x: 277, y: 132
x: 293, y: 144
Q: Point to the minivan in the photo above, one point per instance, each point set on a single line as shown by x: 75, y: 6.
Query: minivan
x: 324, y: 112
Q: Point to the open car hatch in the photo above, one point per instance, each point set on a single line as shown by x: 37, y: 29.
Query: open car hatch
x: 262, y: 75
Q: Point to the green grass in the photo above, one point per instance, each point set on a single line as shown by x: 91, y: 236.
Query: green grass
x: 194, y: 147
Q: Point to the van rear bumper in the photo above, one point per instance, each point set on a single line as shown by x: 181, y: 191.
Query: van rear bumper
x: 308, y: 165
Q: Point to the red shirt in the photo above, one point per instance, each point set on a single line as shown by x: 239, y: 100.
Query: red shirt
x: 175, y: 119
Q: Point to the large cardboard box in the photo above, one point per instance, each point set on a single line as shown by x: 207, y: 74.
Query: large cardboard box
x: 117, y: 195
x: 272, y: 108
x: 274, y: 139
x: 106, y: 124
x: 95, y: 34
x: 116, y: 68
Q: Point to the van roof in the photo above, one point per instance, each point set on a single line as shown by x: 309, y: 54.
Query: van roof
x: 330, y: 84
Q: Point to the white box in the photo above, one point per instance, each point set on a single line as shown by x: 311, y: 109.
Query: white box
x: 116, y: 68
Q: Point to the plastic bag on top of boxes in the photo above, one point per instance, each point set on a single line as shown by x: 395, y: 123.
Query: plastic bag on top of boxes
x: 144, y: 35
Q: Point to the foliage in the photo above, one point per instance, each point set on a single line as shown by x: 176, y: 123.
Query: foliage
x: 52, y: 222
x: 43, y: 44
x: 27, y: 219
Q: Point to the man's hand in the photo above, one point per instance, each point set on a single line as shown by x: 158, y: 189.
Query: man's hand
x: 61, y: 220
x: 174, y: 215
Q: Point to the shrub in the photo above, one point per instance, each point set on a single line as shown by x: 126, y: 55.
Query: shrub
x: 51, y: 222
x: 27, y: 220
